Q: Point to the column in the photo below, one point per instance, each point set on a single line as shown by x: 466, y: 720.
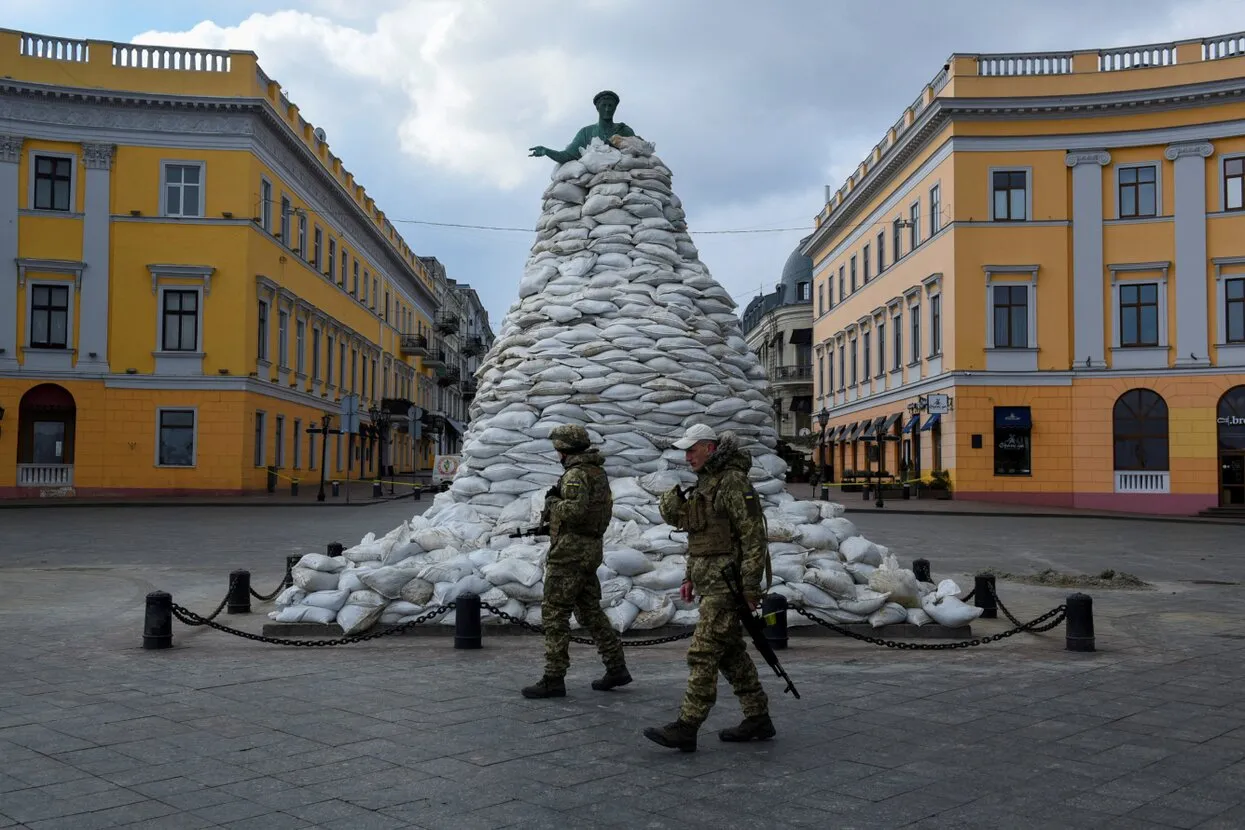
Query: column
x: 10, y: 198
x: 1088, y: 332
x: 1189, y: 291
x: 93, y: 325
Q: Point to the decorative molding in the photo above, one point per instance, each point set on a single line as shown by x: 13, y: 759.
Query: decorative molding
x: 11, y: 148
x: 1222, y: 262
x: 1200, y: 148
x: 202, y: 273
x: 990, y: 270
x: 50, y: 266
x: 1100, y: 157
x: 98, y: 156
x: 1126, y: 267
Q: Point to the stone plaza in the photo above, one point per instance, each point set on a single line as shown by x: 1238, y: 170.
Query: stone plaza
x: 407, y: 732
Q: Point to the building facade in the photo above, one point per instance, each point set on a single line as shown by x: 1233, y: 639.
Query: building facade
x: 1035, y: 283
x: 778, y: 327
x: 190, y: 280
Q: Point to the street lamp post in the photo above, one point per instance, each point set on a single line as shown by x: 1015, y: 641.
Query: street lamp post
x: 823, y: 418
x: 380, y: 423
x: 324, y: 431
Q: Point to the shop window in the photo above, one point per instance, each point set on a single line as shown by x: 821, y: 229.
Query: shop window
x: 176, y: 446
x: 1013, y: 431
x: 1140, y: 429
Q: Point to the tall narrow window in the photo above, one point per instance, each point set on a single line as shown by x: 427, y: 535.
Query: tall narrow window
x: 881, y: 349
x: 868, y: 264
x: 341, y: 366
x: 366, y: 279
x: 914, y: 226
x: 260, y: 455
x: 897, y: 329
x: 181, y: 321
x: 342, y: 281
x: 1234, y: 296
x: 855, y: 376
x: 315, y: 354
x: 1010, y: 193
x: 1138, y: 196
x: 298, y: 447
x: 1011, y: 316
x: 1234, y: 184
x: 53, y: 177
x: 914, y: 337
x: 283, y: 340
x: 49, y: 316
x: 853, y: 272
x: 262, y: 345
x: 279, y: 441
x: 935, y: 209
x: 896, y: 240
x: 935, y: 325
x: 821, y: 298
x: 842, y: 292
x: 842, y: 365
x: 332, y: 272
x: 1139, y: 314
x: 302, y: 236
x: 328, y: 359
x: 317, y: 240
x: 265, y: 205
x: 881, y: 242
x: 285, y: 221
x: 300, y: 336
x: 354, y: 287
x: 868, y: 364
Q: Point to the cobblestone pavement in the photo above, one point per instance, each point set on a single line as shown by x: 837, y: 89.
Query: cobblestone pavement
x: 95, y: 732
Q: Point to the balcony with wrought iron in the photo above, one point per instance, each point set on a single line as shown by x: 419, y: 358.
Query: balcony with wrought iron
x: 414, y: 345
x: 469, y: 388
x: 449, y: 376
x: 474, y: 346
x: 435, y: 358
x: 447, y: 323
x: 798, y: 374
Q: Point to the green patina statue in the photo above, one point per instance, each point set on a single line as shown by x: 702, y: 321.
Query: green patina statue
x: 606, y: 103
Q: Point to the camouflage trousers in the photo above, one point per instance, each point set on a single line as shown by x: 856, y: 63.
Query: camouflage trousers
x: 718, y: 645
x: 573, y: 587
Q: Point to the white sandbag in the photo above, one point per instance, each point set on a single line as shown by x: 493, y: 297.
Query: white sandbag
x: 662, y: 578
x: 789, y: 568
x: 402, y: 608
x: 892, y: 613
x: 292, y: 595
x: 469, y: 584
x: 512, y: 570
x: 831, y: 510
x: 788, y: 590
x: 628, y: 561
x: 512, y: 608
x: 451, y: 571
x: 311, y: 580
x: 660, y: 614
x: 816, y: 536
x: 859, y: 550
x: 842, y: 528
x: 622, y: 615
x: 947, y: 588
x: 332, y: 600
x: 388, y: 581
x: 351, y: 581
x: 433, y: 538
x: 320, y: 562
x: 524, y: 593
x: 801, y: 512
x: 356, y: 618
x: 494, y: 596
x: 780, y: 530
x: 786, y: 549
x: 917, y: 616
x: 613, y: 590
x: 949, y: 610
x: 533, y: 616
x: 900, y: 583
x: 417, y: 591
x: 304, y: 614
x: 838, y: 615
x: 834, y: 582
x: 860, y: 573
x: 643, y: 598
x: 811, y: 594
x: 865, y: 602
x: 686, y: 617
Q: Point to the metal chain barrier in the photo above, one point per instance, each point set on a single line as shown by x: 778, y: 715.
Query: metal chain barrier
x: 269, y: 596
x: 587, y: 641
x: 999, y: 603
x: 208, y: 619
x: 188, y: 617
x: 1033, y: 627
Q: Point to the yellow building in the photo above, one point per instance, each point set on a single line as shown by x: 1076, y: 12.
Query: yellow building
x: 193, y: 281
x: 1036, y: 283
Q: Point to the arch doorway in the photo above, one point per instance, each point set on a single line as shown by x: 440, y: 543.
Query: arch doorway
x: 47, y: 416
x: 1230, y: 424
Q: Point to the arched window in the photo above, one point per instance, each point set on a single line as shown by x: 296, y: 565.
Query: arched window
x: 1140, y: 428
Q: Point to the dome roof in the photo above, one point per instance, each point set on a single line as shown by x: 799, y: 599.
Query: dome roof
x: 799, y: 268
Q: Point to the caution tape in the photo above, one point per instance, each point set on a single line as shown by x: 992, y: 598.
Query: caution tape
x: 413, y: 484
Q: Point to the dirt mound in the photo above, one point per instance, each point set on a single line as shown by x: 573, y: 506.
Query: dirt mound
x: 1056, y: 579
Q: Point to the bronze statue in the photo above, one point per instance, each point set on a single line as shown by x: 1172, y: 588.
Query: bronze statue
x: 606, y: 103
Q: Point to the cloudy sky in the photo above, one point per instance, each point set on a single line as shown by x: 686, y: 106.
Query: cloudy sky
x: 432, y: 104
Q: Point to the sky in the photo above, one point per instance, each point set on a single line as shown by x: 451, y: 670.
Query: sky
x: 755, y: 107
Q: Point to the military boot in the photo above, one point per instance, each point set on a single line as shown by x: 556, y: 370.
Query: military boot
x: 613, y: 679
x: 678, y: 735
x: 754, y: 728
x: 546, y: 687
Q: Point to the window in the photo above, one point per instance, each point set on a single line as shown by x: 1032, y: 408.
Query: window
x: 315, y: 354
x: 300, y: 336
x: 1013, y: 427
x: 1139, y: 427
x: 311, y: 450
x: 1138, y: 191
x: 279, y: 440
x: 868, y: 263
x: 935, y: 325
x: 1234, y: 302
x: 821, y: 373
x: 897, y: 328
x: 935, y: 209
x: 855, y: 379
x: 317, y: 242
x: 387, y: 304
x: 366, y: 280
x: 181, y: 321
x: 332, y: 272
x: 285, y: 221
x: 298, y: 448
x: 853, y: 274
x: 374, y: 395
x: 1011, y: 316
x: 53, y: 183
x: 341, y: 366
x: 896, y: 240
x: 283, y: 344
x: 375, y: 292
x: 262, y: 351
x: 328, y: 357
x: 914, y: 226
x: 1139, y: 314
x: 183, y: 190
x: 881, y: 349
x: 342, y: 281
x: 868, y: 364
x: 914, y: 313
x: 842, y: 293
x: 1234, y: 184
x: 259, y: 439
x: 354, y: 370
x: 881, y: 242
x: 302, y: 234
x: 842, y: 365
x: 1010, y: 194
x: 363, y: 391
x: 821, y: 298
x: 354, y: 289
x: 49, y: 317
x: 829, y: 387
x: 265, y: 205
x: 176, y: 447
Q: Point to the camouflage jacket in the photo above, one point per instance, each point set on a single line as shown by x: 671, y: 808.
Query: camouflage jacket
x: 578, y: 511
x: 723, y: 519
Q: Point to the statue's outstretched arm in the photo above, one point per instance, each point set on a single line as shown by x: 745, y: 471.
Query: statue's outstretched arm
x: 563, y: 156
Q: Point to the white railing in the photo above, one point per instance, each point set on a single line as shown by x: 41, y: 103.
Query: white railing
x: 1137, y: 57
x: 1224, y: 46
x: 53, y: 48
x: 45, y: 475
x: 1032, y: 64
x: 1136, y: 481
x: 166, y: 57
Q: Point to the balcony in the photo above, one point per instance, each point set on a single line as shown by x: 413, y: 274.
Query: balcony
x: 1139, y: 481
x: 414, y: 345
x: 397, y: 407
x: 473, y: 346
x: 45, y: 475
x: 449, y: 376
x: 469, y: 388
x: 435, y: 359
x: 791, y: 374
x: 447, y: 323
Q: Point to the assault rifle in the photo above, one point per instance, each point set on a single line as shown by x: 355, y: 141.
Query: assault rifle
x: 539, y: 530
x: 752, y: 623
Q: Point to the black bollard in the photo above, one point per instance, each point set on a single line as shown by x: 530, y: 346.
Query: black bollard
x: 239, y: 601
x: 290, y: 562
x: 920, y: 568
x: 377, y: 492
x: 415, y: 490
x: 983, y: 596
x: 1080, y: 622
x: 776, y: 631
x: 158, y: 621
x: 336, y: 485
x: 293, y: 487
x: 467, y: 621
x: 335, y: 549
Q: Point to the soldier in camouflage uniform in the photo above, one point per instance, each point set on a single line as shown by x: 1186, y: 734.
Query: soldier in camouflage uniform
x: 724, y: 523
x: 578, y: 511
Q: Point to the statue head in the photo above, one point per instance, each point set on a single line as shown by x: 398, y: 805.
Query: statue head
x: 606, y: 102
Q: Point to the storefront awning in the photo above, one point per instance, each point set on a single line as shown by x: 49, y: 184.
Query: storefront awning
x: 911, y: 425
x: 850, y: 435
x: 866, y: 431
x: 931, y: 422
x: 457, y: 426
x: 890, y: 421
x: 801, y: 403
x: 800, y: 337
x: 1012, y: 417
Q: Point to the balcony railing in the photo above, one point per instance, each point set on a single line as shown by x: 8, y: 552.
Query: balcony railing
x: 449, y: 376
x: 414, y: 345
x: 447, y: 323
x: 474, y: 345
x: 45, y: 475
x: 469, y: 388
x: 1136, y: 481
x: 435, y: 358
x: 792, y: 373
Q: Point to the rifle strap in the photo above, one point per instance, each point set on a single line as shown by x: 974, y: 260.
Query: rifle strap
x: 769, y: 566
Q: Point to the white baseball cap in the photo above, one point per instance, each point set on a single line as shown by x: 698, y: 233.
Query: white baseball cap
x: 694, y: 434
